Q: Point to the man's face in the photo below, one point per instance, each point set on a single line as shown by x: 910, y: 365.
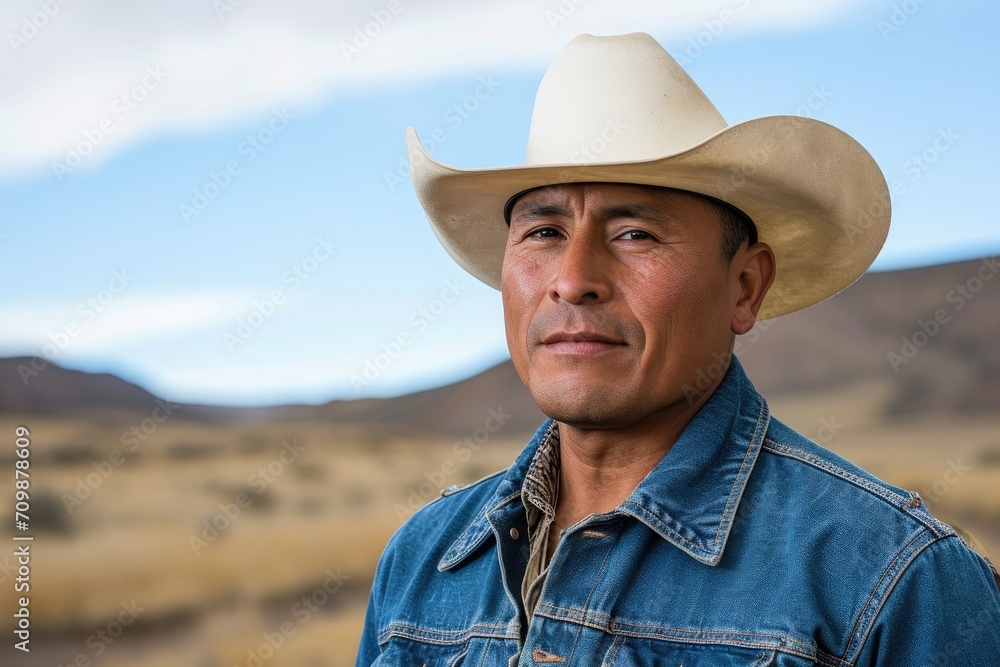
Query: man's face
x: 615, y: 298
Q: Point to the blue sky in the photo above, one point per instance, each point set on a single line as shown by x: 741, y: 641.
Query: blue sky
x: 242, y: 232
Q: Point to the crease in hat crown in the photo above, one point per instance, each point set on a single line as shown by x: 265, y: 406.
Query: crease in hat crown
x: 619, y: 109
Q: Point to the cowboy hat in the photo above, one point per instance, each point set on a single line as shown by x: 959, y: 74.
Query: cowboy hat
x: 621, y: 110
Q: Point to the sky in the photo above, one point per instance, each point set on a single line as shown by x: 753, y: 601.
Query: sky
x: 210, y: 198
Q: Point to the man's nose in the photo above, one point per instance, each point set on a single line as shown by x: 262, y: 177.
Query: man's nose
x: 582, y: 272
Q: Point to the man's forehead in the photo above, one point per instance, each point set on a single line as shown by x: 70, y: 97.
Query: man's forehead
x: 646, y: 199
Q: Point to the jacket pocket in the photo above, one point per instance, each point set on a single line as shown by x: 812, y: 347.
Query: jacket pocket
x: 663, y: 654
x: 404, y: 652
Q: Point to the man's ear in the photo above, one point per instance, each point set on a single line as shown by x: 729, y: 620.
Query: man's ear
x: 753, y: 270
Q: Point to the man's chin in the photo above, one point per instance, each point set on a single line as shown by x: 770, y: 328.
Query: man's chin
x: 587, y: 408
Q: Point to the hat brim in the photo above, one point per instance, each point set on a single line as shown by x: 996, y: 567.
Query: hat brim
x: 817, y: 197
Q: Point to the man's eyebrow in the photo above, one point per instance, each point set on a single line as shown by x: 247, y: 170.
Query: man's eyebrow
x: 637, y: 210
x: 539, y: 210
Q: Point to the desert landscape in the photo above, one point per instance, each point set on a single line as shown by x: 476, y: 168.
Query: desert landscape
x: 171, y: 534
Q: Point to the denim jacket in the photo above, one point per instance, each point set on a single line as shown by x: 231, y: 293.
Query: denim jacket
x: 748, y: 544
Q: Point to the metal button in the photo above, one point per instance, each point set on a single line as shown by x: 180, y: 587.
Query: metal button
x: 514, y: 533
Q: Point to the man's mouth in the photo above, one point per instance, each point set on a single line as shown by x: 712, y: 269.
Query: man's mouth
x: 581, y: 342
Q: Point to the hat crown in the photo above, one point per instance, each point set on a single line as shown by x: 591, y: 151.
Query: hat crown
x: 617, y: 99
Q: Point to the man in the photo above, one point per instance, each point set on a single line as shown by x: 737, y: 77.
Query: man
x: 656, y: 518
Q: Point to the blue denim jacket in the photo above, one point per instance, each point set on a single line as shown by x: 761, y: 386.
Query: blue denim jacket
x: 748, y: 544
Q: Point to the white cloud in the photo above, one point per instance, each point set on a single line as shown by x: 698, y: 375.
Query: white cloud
x: 88, y: 328
x: 65, y: 69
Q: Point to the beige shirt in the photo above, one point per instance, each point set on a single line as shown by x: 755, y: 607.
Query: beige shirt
x: 540, y: 493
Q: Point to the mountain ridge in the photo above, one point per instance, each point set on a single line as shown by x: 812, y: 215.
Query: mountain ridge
x: 924, y: 332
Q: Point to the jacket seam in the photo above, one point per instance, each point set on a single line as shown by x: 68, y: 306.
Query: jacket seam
x: 474, y: 535
x: 881, y: 592
x: 888, y: 496
x: 729, y: 510
x: 471, y: 485
x: 443, y: 637
x: 778, y: 643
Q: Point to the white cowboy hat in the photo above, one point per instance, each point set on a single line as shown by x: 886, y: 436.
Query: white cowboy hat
x: 621, y: 110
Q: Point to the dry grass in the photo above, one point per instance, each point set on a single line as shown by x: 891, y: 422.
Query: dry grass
x: 331, y: 509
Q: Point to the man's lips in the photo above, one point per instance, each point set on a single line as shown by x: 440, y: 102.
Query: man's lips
x: 581, y: 342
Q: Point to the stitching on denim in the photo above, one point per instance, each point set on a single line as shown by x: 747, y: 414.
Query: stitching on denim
x: 508, y: 599
x: 457, y: 550
x: 885, y: 494
x: 616, y: 646
x: 459, y: 657
x: 665, y: 529
x: 590, y: 594
x: 826, y: 660
x: 730, y: 509
x: 938, y: 527
x: 472, y: 485
x: 773, y: 642
x: 443, y: 637
x: 461, y: 547
x: 711, y: 553
x: 883, y: 589
x: 591, y: 618
x: 473, y: 536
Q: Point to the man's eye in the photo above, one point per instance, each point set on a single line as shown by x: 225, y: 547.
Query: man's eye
x: 545, y: 233
x: 636, y: 235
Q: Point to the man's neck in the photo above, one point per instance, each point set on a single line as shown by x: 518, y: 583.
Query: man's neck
x: 601, y: 467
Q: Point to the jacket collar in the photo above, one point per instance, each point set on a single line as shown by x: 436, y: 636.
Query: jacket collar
x: 690, y: 497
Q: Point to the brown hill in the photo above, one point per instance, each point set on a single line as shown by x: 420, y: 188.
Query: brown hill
x: 929, y: 333
x: 34, y: 386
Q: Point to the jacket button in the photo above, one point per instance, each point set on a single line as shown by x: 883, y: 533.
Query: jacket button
x: 514, y: 533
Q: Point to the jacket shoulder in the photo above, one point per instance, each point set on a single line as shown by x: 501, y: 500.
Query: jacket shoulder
x: 898, y: 504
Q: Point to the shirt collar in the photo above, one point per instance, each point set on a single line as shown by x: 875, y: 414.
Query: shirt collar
x: 690, y: 497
